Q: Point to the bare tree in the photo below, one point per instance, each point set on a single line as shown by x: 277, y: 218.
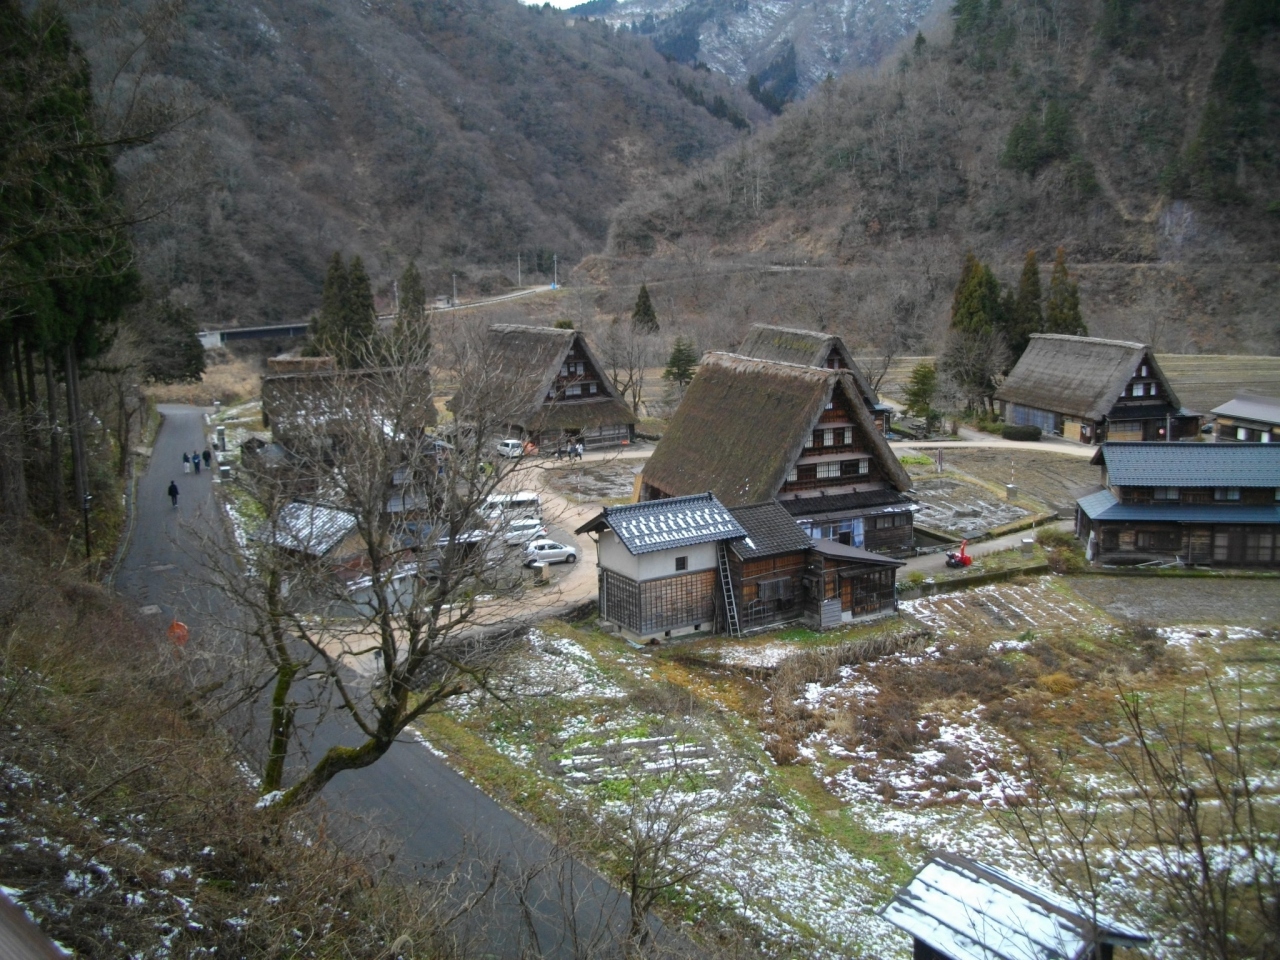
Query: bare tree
x: 1194, y: 821
x: 626, y: 354
x: 419, y: 606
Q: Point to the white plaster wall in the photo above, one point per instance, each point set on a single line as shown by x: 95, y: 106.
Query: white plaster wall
x: 653, y: 566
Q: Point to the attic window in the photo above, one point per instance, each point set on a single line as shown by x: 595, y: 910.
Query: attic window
x: 831, y: 405
x: 828, y: 470
x: 793, y: 475
x: 573, y: 390
x: 1139, y: 389
x: 1142, y: 370
x: 808, y: 441
x: 682, y: 563
x: 591, y: 388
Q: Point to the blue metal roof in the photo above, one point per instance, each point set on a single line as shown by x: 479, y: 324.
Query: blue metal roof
x: 675, y: 522
x: 1192, y: 464
x: 1104, y: 506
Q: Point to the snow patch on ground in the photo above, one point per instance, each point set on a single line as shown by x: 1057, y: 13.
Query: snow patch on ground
x: 767, y: 655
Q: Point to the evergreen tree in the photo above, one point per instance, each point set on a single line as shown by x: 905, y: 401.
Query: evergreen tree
x: 564, y: 323
x: 327, y: 325
x: 1025, y: 315
x: 412, y: 296
x: 359, y: 316
x: 682, y: 363
x: 921, y: 388
x: 976, y: 303
x: 1062, y: 308
x: 643, y: 318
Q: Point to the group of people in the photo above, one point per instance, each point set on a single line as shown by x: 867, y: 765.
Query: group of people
x: 573, y: 450
x: 190, y: 462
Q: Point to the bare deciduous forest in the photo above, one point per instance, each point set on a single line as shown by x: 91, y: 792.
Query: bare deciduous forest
x: 1140, y: 136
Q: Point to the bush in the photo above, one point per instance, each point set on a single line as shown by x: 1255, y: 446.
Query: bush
x: 1018, y: 431
x: 1052, y: 538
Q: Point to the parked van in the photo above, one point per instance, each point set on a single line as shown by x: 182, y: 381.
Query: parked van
x: 511, y: 449
x: 509, y: 506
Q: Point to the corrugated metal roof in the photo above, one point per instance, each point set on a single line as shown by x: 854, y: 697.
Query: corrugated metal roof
x: 770, y: 531
x: 1104, y: 506
x: 970, y: 911
x: 1191, y: 464
x: 1251, y: 406
x: 676, y: 522
x: 834, y: 548
x: 310, y: 528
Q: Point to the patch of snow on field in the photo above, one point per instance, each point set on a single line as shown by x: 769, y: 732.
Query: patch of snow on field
x: 558, y: 666
x: 1011, y: 605
x: 767, y: 655
x: 1187, y: 636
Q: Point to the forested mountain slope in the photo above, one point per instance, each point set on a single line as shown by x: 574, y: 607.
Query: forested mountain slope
x: 1142, y: 136
x: 455, y: 132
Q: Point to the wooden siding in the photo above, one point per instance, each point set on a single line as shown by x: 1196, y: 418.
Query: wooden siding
x: 1236, y: 545
x: 769, y: 590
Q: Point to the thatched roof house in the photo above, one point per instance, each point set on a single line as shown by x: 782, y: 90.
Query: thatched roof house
x: 1093, y: 390
x: 810, y: 348
x: 303, y: 409
x: 751, y: 431
x: 554, y: 388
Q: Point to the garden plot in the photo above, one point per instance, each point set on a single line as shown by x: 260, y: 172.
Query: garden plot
x: 595, y: 481
x: 635, y: 757
x: 1005, y: 606
x: 962, y: 508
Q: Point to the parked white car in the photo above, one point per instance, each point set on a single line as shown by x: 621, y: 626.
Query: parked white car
x: 524, y: 530
x: 510, y: 449
x: 549, y: 551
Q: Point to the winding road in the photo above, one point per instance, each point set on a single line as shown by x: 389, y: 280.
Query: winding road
x: 439, y: 820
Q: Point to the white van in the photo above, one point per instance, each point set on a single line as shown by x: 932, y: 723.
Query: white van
x: 511, y: 449
x: 509, y: 506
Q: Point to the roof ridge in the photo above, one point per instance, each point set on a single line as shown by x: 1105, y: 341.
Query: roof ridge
x: 1133, y: 344
x: 800, y: 330
x: 531, y: 328
x: 738, y: 359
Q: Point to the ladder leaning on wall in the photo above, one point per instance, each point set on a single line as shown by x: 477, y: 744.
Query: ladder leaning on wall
x: 726, y: 584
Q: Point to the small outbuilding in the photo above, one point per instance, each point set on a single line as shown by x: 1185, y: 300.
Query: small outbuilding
x: 1248, y: 418
x: 958, y: 909
x: 1092, y: 390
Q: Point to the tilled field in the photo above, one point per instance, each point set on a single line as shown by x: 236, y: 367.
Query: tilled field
x: 1003, y: 606
x: 1053, y: 479
x: 1169, y: 600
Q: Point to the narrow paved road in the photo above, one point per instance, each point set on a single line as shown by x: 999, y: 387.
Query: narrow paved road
x: 439, y: 819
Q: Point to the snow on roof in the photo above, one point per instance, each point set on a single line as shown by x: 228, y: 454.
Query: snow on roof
x: 674, y: 522
x: 310, y: 528
x: 969, y: 911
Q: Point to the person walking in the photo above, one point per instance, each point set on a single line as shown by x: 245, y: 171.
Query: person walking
x: 580, y: 449
x: 195, y: 461
x: 186, y: 462
x: 173, y: 492
x: 207, y: 457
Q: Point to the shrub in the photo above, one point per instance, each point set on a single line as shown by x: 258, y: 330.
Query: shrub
x: 1052, y: 538
x: 1019, y: 431
x: 1059, y: 684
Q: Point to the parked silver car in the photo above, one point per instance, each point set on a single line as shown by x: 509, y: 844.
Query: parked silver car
x: 523, y: 530
x: 549, y: 551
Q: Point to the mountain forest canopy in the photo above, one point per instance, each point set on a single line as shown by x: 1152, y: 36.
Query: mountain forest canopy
x: 457, y: 134
x: 1142, y: 136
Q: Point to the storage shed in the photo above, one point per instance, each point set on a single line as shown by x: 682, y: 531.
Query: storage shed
x: 958, y: 909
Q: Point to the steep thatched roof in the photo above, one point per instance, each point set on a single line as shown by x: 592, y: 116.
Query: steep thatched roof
x: 319, y: 402
x: 743, y: 423
x: 808, y: 348
x: 1078, y: 376
x: 529, y: 358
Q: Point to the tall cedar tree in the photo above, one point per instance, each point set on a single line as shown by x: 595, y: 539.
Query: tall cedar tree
x: 360, y: 316
x: 976, y: 304
x: 643, y: 317
x: 1025, y: 316
x: 412, y: 296
x: 327, y: 324
x: 921, y: 388
x: 682, y: 363
x: 1062, y: 309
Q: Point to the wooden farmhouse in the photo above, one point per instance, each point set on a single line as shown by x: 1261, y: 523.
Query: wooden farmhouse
x: 309, y: 410
x: 809, y: 348
x: 958, y: 909
x: 688, y: 565
x: 1203, y: 503
x: 1093, y: 390
x: 754, y: 431
x: 1248, y: 418
x: 556, y: 389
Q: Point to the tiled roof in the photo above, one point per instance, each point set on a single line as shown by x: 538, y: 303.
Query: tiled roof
x: 1104, y: 506
x: 969, y: 911
x: 834, y: 548
x: 1251, y: 406
x: 675, y: 522
x: 309, y: 528
x: 770, y: 531
x: 1191, y: 464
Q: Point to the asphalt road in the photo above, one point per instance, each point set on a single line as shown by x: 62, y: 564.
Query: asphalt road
x: 439, y: 821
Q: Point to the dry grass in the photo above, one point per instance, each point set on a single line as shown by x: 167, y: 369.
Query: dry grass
x: 228, y: 378
x: 126, y: 824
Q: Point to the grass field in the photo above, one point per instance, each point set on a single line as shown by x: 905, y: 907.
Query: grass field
x: 835, y: 762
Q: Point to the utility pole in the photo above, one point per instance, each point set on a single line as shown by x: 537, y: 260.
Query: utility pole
x: 455, y: 290
x: 88, y: 498
x: 555, y: 272
x: 517, y: 271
